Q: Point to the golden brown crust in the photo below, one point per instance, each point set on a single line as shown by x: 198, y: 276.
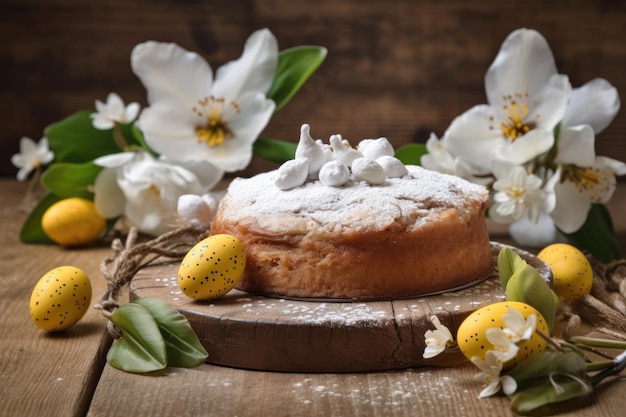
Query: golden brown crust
x: 416, y: 252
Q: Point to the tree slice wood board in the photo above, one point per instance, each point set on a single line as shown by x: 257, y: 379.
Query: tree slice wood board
x: 248, y: 331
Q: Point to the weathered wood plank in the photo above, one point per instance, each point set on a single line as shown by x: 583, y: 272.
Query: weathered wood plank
x: 399, y: 69
x: 44, y: 374
x: 219, y: 391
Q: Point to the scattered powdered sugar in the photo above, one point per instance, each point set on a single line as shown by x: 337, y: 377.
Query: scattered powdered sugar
x: 383, y: 392
x: 346, y: 314
x: 357, y: 204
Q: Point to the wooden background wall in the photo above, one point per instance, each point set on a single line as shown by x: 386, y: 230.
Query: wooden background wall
x: 399, y: 69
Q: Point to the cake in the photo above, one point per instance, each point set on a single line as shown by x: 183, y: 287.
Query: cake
x: 415, y: 232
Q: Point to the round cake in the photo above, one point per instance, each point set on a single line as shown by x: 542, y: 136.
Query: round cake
x: 421, y: 233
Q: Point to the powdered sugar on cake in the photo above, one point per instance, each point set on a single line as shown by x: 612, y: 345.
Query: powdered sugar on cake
x: 357, y: 204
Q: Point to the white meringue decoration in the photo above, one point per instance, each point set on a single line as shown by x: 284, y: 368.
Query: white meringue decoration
x: 365, y: 169
x: 394, y: 168
x: 343, y: 153
x: 292, y: 174
x: 375, y: 148
x: 197, y: 210
x: 334, y: 174
x: 328, y: 151
x: 308, y: 148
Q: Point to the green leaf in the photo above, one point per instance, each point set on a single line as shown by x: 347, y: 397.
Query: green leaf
x: 508, y: 263
x: 74, y: 139
x: 527, y: 286
x: 552, y: 376
x: 141, y: 347
x: 411, y: 154
x: 71, y: 180
x: 274, y: 150
x: 597, y: 235
x: 562, y: 387
x: 537, y: 368
x: 31, y: 231
x: 183, y: 346
x: 295, y: 66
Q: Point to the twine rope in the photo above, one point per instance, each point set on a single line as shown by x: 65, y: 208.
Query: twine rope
x: 604, y: 309
x: 130, y: 257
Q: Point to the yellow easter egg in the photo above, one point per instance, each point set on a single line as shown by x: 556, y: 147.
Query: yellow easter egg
x: 73, y: 222
x: 60, y: 298
x: 212, y: 267
x: 571, y: 270
x: 472, y: 339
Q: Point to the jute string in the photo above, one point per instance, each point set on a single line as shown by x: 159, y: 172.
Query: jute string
x: 603, y: 311
x: 119, y: 269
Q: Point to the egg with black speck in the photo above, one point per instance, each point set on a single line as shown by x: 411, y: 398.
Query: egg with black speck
x: 472, y: 333
x: 60, y: 298
x: 572, y: 271
x: 212, y: 267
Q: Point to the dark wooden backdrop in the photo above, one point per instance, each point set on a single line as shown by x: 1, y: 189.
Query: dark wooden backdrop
x: 395, y: 68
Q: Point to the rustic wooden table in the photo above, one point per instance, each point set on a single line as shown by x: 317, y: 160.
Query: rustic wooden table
x: 66, y: 374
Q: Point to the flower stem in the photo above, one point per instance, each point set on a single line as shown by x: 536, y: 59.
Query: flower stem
x: 119, y: 138
x: 604, y: 343
x: 619, y: 364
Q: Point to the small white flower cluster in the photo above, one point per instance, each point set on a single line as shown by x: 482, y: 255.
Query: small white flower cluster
x: 437, y: 340
x: 32, y: 156
x: 504, y: 340
x: 334, y: 164
x: 533, y: 143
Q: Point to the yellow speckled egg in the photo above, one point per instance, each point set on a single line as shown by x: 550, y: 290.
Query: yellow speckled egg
x: 571, y: 270
x: 60, y: 298
x: 472, y: 339
x: 73, y: 222
x: 212, y: 267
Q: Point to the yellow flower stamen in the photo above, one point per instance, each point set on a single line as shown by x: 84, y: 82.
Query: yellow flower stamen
x: 215, y: 131
x: 589, y: 180
x: 517, y: 110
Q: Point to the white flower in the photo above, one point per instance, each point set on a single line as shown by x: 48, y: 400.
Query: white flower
x: 436, y: 340
x: 527, y: 99
x: 505, y: 348
x: 146, y: 190
x: 491, y: 368
x: 518, y: 193
x: 518, y: 328
x: 113, y: 111
x: 439, y: 158
x: 586, y: 178
x: 192, y: 115
x: 32, y: 156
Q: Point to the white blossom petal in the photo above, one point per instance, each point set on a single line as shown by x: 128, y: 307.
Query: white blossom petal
x: 253, y: 71
x: 171, y: 73
x: 596, y: 103
x: 576, y: 145
x: 572, y: 207
x: 472, y: 138
x: 531, y: 145
x: 109, y: 199
x: 534, y: 235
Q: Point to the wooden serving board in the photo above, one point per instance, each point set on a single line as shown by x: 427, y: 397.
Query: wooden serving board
x: 277, y: 334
